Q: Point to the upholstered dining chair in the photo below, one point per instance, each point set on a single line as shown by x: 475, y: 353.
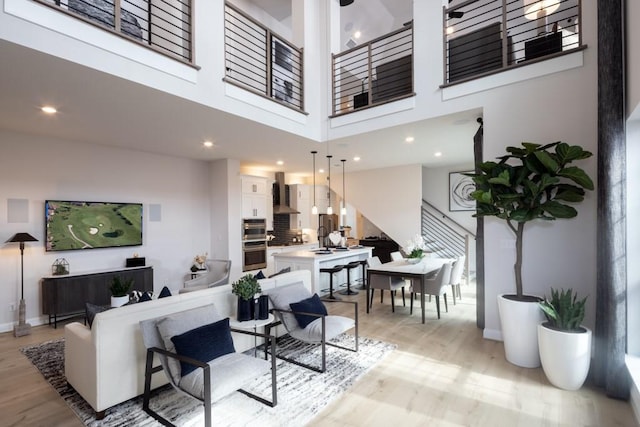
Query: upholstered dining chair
x: 456, y: 277
x: 217, y: 275
x: 196, y: 352
x: 436, y: 286
x: 306, y: 319
x: 385, y: 283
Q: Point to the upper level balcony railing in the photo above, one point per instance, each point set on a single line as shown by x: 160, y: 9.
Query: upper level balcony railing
x: 163, y: 25
x: 374, y: 73
x: 483, y: 37
x: 261, y: 61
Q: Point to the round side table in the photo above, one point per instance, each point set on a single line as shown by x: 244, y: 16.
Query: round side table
x: 248, y: 325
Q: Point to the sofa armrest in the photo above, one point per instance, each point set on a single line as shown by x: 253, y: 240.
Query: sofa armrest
x: 80, y: 361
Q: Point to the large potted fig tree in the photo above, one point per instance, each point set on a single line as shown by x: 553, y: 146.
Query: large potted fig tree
x: 532, y: 182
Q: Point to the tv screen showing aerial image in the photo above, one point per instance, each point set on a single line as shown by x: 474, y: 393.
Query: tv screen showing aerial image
x: 90, y: 225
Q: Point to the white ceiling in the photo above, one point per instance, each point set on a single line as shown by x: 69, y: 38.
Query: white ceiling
x: 98, y: 108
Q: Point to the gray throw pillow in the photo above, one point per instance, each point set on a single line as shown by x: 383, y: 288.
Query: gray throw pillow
x: 91, y: 310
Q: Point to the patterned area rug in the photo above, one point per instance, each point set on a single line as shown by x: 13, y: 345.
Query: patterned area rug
x: 302, y: 393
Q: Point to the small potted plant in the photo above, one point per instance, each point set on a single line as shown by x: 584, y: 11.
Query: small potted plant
x: 245, y: 288
x: 120, y: 291
x: 565, y: 344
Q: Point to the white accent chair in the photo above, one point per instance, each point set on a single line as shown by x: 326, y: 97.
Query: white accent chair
x: 319, y: 332
x: 385, y: 283
x: 209, y: 381
x: 436, y: 287
x: 217, y: 275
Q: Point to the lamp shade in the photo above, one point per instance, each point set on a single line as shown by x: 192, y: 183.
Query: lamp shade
x: 533, y: 7
x: 22, y: 237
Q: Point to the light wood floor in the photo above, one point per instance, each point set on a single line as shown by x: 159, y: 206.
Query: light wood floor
x: 442, y: 374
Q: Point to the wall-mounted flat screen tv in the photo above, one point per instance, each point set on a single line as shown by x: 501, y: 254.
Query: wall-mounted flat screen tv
x: 74, y: 225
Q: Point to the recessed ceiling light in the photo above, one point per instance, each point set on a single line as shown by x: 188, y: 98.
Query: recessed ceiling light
x: 357, y: 34
x: 280, y: 163
x: 49, y: 109
x: 208, y: 144
x: 321, y: 170
x: 437, y: 154
x: 356, y: 159
x: 409, y: 139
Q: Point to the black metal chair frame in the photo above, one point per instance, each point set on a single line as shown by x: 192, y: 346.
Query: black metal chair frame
x: 323, y: 342
x: 150, y: 370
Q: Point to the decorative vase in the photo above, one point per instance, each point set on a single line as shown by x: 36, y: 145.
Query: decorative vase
x: 414, y: 260
x: 519, y: 321
x: 244, y: 311
x: 263, y: 307
x: 565, y: 356
x: 119, y: 301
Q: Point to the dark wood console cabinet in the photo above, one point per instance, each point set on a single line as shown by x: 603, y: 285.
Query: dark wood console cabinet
x: 66, y: 295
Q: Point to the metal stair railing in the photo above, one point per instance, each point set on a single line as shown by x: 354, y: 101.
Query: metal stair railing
x: 444, y: 236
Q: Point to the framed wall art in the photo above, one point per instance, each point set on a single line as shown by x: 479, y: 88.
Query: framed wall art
x: 460, y: 189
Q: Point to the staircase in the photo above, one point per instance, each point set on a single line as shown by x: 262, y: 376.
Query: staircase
x: 446, y: 238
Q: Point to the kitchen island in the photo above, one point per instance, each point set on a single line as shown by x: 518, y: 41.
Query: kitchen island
x: 313, y: 261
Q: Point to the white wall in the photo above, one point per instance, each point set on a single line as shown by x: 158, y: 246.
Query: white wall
x: 390, y: 198
x: 39, y: 168
x: 435, y: 190
x: 633, y: 240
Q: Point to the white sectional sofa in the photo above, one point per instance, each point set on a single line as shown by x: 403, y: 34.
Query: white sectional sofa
x: 105, y: 364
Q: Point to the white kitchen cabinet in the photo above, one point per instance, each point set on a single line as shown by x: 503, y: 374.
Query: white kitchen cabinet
x: 322, y: 198
x: 254, y: 197
x: 299, y: 195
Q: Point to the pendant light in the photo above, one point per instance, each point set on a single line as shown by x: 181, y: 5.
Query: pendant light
x: 314, y: 208
x: 343, y: 211
x: 329, y: 208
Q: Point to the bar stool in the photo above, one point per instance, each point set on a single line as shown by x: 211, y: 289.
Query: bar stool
x: 363, y: 263
x: 349, y: 267
x: 331, y: 271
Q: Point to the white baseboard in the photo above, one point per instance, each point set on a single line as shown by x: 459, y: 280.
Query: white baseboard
x: 8, y: 327
x: 633, y: 365
x: 492, y: 334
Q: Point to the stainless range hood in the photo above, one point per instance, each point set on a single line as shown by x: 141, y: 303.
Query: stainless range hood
x: 282, y: 208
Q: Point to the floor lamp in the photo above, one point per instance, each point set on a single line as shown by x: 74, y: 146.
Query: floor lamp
x: 22, y: 328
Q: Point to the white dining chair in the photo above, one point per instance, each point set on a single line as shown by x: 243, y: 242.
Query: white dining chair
x: 392, y: 284
x: 396, y: 256
x: 436, y: 287
x: 456, y: 277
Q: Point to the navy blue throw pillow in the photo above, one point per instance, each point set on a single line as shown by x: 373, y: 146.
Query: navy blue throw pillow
x: 260, y: 275
x: 309, y: 305
x: 165, y: 292
x: 145, y: 297
x: 205, y: 343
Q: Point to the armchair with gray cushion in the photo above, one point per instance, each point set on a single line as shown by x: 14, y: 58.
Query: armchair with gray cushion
x: 306, y: 319
x: 217, y: 274
x: 197, y: 355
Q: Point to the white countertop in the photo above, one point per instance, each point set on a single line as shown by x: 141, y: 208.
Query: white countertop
x: 311, y: 254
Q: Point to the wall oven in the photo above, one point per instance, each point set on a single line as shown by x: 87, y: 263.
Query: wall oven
x: 254, y: 255
x: 254, y: 229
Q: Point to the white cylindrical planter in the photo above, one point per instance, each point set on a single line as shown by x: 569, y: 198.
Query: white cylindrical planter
x: 565, y: 356
x: 119, y: 301
x: 519, y: 321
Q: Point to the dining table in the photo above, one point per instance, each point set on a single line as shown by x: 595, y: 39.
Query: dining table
x: 426, y: 268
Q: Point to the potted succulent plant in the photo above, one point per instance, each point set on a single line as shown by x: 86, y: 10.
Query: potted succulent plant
x: 532, y: 182
x: 565, y: 344
x: 120, y: 291
x: 246, y: 288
